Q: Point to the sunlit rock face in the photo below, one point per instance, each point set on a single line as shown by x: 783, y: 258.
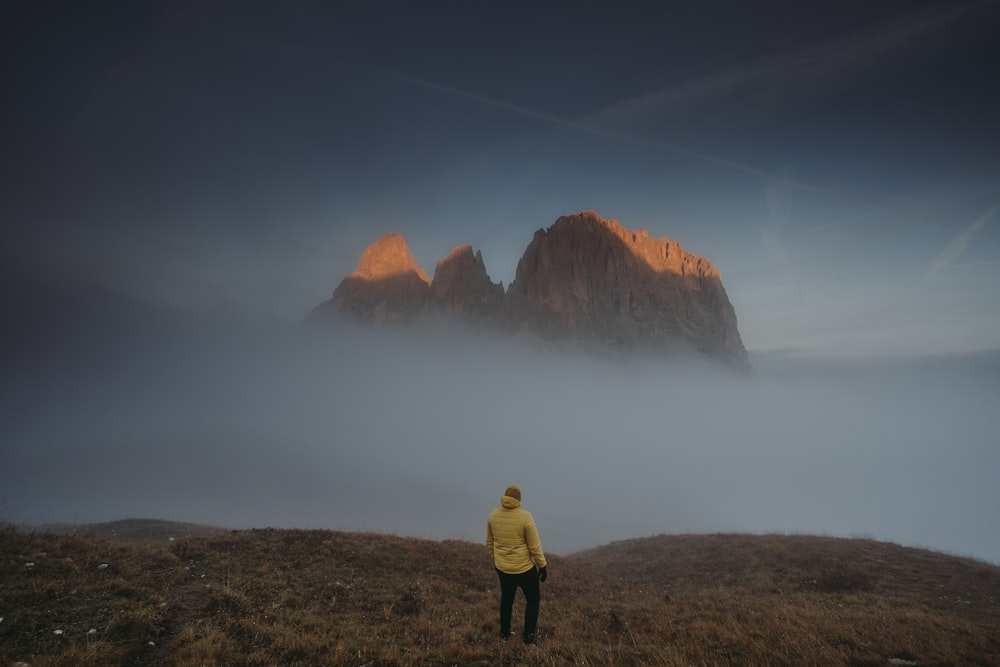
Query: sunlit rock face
x: 590, y: 279
x: 388, y: 286
x: 583, y: 279
x: 462, y: 287
x: 387, y: 257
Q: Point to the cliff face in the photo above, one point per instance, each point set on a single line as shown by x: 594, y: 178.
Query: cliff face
x: 584, y: 278
x: 591, y: 279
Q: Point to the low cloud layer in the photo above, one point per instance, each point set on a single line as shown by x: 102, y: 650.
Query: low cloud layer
x: 419, y: 434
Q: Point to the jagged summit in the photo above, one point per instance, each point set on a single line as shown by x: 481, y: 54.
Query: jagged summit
x: 389, y: 256
x: 662, y: 255
x: 461, y: 285
x: 387, y: 287
x: 585, y: 278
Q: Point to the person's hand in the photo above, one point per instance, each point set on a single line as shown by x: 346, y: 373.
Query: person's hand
x: 543, y: 574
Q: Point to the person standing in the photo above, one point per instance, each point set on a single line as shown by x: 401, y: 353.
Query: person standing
x: 512, y: 539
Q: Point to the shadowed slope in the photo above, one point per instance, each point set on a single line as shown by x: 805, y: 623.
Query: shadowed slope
x: 462, y: 287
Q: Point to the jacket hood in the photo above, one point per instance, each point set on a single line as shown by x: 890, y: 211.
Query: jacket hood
x: 509, y: 503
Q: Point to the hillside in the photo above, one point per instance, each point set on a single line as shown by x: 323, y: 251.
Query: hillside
x: 133, y: 530
x: 292, y: 597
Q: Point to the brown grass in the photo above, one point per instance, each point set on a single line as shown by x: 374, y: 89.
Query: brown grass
x: 289, y: 597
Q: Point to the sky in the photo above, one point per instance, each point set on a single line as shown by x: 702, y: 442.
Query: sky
x: 838, y: 162
x: 173, y: 171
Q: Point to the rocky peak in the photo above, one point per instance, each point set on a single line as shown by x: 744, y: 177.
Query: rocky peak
x: 661, y: 255
x: 389, y: 256
x: 387, y: 287
x: 461, y: 285
x: 590, y: 279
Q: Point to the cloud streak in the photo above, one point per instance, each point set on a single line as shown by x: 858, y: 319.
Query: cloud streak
x: 955, y: 248
x: 586, y: 127
x: 817, y: 69
x: 804, y: 72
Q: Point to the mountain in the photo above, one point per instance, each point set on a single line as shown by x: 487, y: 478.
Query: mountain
x: 388, y: 286
x: 584, y: 279
x: 591, y: 279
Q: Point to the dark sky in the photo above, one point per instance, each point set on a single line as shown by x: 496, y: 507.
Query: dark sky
x: 183, y: 181
x: 839, y: 162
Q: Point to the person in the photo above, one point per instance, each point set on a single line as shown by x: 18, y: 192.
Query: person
x: 512, y: 539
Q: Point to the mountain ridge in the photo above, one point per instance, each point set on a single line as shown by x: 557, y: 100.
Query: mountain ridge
x: 584, y: 278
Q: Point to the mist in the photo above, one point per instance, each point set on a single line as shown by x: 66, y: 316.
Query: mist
x: 418, y: 433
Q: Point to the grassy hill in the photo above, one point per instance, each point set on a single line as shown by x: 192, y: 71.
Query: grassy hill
x: 291, y: 597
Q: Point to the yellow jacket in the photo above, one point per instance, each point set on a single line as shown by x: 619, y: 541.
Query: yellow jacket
x: 512, y: 538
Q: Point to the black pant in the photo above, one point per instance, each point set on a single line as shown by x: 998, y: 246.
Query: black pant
x: 527, y: 582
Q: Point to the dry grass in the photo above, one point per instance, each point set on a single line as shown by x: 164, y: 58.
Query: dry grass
x: 286, y: 597
x: 134, y: 530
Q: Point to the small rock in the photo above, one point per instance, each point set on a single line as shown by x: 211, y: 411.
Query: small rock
x: 92, y: 631
x: 902, y: 661
x: 152, y: 643
x: 102, y: 566
x: 29, y: 565
x: 57, y: 633
x: 170, y: 539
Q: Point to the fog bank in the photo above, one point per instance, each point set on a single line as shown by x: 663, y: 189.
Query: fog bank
x: 358, y: 429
